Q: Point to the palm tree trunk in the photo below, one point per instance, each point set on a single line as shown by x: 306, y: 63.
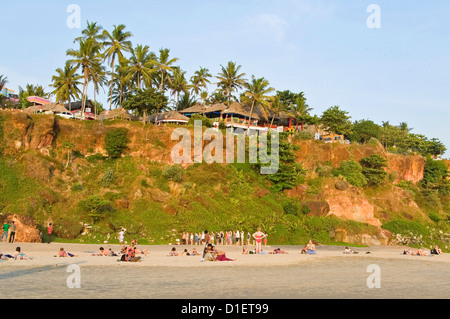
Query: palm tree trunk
x: 112, y: 84
x: 162, y: 81
x: 250, y: 117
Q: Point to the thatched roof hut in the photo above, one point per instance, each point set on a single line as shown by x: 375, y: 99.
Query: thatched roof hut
x: 119, y: 113
x: 171, y: 117
x: 215, y: 108
x: 240, y: 110
x: 196, y: 109
x: 47, y: 108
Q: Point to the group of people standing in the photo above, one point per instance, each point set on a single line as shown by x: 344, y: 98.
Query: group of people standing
x: 8, y: 229
x: 237, y: 238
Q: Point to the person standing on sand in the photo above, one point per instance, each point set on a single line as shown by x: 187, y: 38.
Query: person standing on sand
x: 258, y: 236
x: 5, y: 232
x: 12, y: 234
x: 49, y: 232
x: 122, y: 236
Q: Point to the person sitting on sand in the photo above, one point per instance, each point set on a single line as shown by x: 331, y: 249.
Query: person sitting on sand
x: 173, y: 252
x: 245, y: 250
x: 194, y: 252
x: 63, y: 253
x: 309, y: 248
x: 436, y: 250
x: 209, y: 254
x: 131, y: 255
x: 18, y: 255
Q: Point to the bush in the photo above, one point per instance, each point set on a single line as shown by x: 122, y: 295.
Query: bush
x: 173, y: 173
x: 95, y: 158
x: 205, y: 121
x: 116, y: 142
x: 292, y: 208
x: 108, y: 178
x: 352, y: 171
x: 77, y: 187
x: 324, y: 171
x: 95, y: 206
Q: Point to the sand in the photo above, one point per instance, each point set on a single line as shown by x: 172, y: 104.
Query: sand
x: 329, y: 274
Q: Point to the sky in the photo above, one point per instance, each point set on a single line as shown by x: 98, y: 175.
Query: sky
x: 398, y: 71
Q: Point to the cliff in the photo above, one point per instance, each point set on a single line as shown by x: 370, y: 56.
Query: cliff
x: 47, y: 173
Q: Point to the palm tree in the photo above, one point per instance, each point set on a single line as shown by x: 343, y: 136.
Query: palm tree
x: 66, y: 83
x: 87, y: 57
x: 257, y: 94
x: 200, y: 80
x: 3, y: 81
x: 230, y: 80
x: 404, y: 127
x: 164, y: 67
x: 185, y: 101
x: 121, y: 85
x: 93, y: 32
x: 204, y: 96
x: 116, y: 42
x: 277, y: 106
x: 178, y: 84
x: 140, y: 66
x: 300, y: 110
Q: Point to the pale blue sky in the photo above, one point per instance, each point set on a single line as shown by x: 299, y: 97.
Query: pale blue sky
x: 398, y: 73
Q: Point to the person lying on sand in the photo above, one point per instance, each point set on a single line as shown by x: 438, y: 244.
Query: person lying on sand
x: 221, y: 256
x: 63, y: 253
x: 278, y: 251
x: 347, y: 250
x: 102, y: 252
x: 419, y: 252
x: 173, y: 252
x: 18, y: 255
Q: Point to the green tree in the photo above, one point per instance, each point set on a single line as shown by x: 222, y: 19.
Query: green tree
x: 435, y: 175
x: 364, y: 130
x: 230, y: 79
x: 164, y: 65
x: 95, y: 206
x: 351, y: 170
x: 336, y: 120
x: 66, y: 84
x: 301, y: 110
x: 145, y: 102
x: 179, y: 84
x: 88, y: 58
x: 257, y: 93
x: 200, y: 80
x: 373, y: 169
x: 116, y: 142
x: 115, y: 44
x: 140, y: 67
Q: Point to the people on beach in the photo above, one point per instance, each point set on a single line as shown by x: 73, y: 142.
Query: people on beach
x: 18, y: 255
x: 258, y: 236
x: 63, y: 253
x: 418, y: 252
x: 221, y: 256
x: 12, y: 233
x: 436, y: 250
x: 244, y: 250
x: 5, y: 232
x: 121, y: 236
x: 173, y: 252
x: 278, y: 251
x: 347, y: 250
x: 194, y: 252
x: 102, y: 252
x: 309, y: 248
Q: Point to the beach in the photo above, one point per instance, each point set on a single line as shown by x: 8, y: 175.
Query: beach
x: 328, y: 274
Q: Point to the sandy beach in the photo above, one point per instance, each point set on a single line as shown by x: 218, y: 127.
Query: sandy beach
x: 328, y: 274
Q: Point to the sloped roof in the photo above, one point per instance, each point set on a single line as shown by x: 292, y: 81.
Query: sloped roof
x: 120, y: 113
x: 197, y: 108
x: 171, y: 116
x: 237, y: 108
x: 218, y: 107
